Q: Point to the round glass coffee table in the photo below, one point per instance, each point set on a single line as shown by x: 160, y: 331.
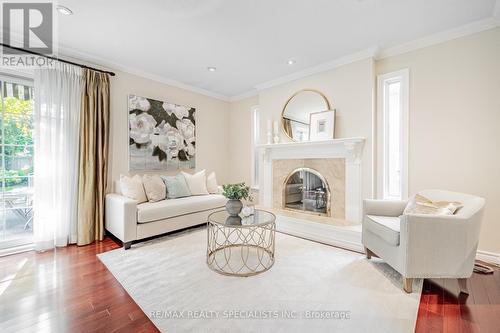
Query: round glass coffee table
x: 240, y: 246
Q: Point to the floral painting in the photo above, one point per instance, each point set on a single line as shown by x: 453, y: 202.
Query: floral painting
x: 161, y: 135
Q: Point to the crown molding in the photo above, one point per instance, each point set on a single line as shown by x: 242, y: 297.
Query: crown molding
x: 250, y: 93
x: 103, y: 62
x: 441, y: 37
x: 367, y: 53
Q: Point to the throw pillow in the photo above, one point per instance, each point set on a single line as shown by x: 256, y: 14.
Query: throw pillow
x: 197, y: 182
x: 155, y: 187
x: 132, y: 188
x: 421, y: 205
x: 176, y: 186
x: 212, y: 186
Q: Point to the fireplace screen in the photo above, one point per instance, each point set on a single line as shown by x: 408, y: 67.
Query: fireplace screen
x: 306, y: 190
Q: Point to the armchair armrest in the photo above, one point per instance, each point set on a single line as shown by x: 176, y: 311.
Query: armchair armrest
x: 443, y: 246
x: 121, y: 217
x: 384, y: 207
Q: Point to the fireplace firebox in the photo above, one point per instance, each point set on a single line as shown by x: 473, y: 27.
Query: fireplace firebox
x: 306, y: 190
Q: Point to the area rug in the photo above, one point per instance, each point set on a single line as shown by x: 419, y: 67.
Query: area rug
x: 311, y: 287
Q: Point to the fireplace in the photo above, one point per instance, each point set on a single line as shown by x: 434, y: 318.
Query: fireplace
x: 307, y: 191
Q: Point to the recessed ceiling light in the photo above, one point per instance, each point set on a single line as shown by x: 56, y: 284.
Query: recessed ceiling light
x: 291, y: 62
x: 211, y: 69
x: 64, y: 10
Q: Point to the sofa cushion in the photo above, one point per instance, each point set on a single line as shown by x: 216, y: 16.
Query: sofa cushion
x: 132, y: 187
x: 197, y: 182
x: 386, y: 227
x: 176, y: 186
x: 154, y: 211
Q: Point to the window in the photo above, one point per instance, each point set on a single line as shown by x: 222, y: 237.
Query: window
x: 392, y: 126
x: 255, y: 142
x: 16, y: 162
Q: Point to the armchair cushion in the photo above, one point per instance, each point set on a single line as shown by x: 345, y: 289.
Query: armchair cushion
x: 386, y: 227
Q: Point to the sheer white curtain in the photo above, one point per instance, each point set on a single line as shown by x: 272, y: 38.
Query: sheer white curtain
x: 58, y: 96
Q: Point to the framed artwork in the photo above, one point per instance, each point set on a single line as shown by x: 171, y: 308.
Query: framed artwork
x: 162, y: 135
x: 322, y: 125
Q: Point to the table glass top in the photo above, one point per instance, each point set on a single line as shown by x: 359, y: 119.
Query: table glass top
x: 258, y: 218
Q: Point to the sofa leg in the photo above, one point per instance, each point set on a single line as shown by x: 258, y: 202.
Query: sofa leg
x: 127, y: 245
x: 462, y: 285
x: 407, y: 284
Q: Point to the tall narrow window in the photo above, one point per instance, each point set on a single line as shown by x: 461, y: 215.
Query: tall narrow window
x: 393, y: 135
x: 255, y: 142
x: 16, y: 162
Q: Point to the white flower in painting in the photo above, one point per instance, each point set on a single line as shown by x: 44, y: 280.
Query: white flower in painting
x: 140, y: 103
x: 179, y: 110
x: 141, y: 127
x: 190, y: 149
x: 186, y: 127
x: 175, y: 140
x: 160, y: 141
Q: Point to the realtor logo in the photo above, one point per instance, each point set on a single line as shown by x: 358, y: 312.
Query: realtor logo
x: 28, y: 26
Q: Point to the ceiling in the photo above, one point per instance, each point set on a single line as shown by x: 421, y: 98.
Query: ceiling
x: 249, y: 41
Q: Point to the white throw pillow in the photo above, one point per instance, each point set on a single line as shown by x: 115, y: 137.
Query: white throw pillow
x: 132, y: 188
x: 212, y: 186
x: 197, y: 182
x: 155, y: 187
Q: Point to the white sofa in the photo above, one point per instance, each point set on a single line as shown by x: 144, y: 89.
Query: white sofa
x: 130, y: 222
x: 424, y: 246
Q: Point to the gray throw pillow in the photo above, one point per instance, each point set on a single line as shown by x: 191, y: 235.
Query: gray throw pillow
x: 176, y: 186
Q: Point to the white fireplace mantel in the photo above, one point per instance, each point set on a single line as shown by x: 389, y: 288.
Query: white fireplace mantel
x: 350, y: 149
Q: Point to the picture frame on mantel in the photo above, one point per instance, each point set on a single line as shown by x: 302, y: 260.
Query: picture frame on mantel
x: 322, y: 125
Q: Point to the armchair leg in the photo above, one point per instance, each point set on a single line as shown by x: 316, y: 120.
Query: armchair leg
x: 407, y: 284
x: 369, y: 254
x: 127, y: 245
x: 462, y: 285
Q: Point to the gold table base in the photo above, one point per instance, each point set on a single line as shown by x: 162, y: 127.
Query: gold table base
x: 240, y: 250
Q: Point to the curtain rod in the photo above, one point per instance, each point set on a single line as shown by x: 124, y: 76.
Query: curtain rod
x: 54, y: 58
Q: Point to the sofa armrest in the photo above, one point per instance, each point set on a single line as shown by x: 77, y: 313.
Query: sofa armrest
x: 121, y: 217
x: 384, y: 207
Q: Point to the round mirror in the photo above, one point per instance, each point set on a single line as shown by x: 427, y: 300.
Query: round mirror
x: 296, y: 113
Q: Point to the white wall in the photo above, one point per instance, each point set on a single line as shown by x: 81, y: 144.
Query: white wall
x: 455, y: 121
x: 212, y: 122
x: 240, y: 140
x: 349, y: 90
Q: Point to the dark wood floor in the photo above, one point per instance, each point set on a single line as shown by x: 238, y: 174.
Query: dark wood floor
x: 70, y: 290
x: 443, y: 309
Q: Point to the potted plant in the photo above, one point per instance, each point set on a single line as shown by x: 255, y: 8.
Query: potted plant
x: 236, y: 192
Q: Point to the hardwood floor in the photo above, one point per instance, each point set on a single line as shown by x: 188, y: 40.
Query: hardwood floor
x: 67, y: 290
x: 443, y: 309
x: 70, y: 290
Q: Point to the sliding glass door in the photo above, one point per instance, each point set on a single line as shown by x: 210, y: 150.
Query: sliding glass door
x: 16, y: 162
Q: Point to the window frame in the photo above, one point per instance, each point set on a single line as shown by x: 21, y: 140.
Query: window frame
x: 383, y: 81
x: 254, y: 151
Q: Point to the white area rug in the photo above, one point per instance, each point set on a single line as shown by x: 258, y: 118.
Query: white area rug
x: 168, y: 278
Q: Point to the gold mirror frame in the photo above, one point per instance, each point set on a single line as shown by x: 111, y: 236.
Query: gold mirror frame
x: 290, y: 99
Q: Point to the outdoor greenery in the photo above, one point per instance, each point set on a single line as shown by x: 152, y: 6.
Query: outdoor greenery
x: 17, y: 141
x: 237, y: 191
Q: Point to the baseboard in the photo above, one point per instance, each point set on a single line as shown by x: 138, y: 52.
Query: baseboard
x: 344, y: 237
x: 488, y: 257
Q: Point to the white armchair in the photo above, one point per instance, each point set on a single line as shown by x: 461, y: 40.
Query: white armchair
x: 424, y: 246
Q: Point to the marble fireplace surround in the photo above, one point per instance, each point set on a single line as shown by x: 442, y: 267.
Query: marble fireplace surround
x: 278, y: 160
